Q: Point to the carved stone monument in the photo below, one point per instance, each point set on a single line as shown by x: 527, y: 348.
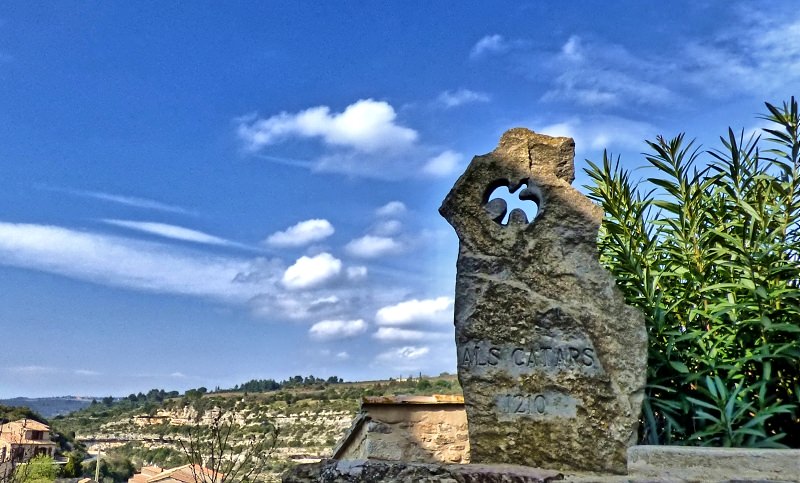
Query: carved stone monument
x: 551, y: 360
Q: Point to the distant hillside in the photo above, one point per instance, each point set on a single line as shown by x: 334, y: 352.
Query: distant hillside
x: 49, y: 407
x: 312, y: 415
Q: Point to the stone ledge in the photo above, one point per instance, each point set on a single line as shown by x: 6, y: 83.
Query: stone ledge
x: 370, y: 471
x: 714, y: 464
x: 646, y: 464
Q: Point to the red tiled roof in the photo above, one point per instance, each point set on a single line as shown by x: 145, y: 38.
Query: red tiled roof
x: 183, y: 474
x: 14, y: 432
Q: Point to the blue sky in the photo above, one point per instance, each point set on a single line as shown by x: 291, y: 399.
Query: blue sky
x: 196, y: 194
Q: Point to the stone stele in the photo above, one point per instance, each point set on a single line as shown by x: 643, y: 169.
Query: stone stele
x: 551, y: 360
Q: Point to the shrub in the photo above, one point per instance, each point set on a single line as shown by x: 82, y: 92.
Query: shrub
x: 709, y: 250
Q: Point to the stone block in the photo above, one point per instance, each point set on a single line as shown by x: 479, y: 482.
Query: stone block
x: 551, y: 360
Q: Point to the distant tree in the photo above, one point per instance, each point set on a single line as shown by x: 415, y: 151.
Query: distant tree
x: 73, y: 467
x: 108, y: 401
x: 212, y: 447
x: 112, y: 467
x: 443, y: 384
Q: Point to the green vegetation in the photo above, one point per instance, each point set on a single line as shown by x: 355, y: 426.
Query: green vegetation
x: 113, y: 467
x: 709, y: 250
x: 40, y: 469
x: 15, y: 413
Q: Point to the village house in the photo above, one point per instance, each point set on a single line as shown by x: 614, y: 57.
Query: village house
x: 23, y: 439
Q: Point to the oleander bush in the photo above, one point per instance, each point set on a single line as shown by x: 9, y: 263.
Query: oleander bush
x: 708, y: 248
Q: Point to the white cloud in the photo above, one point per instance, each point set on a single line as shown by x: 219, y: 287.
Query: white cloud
x: 460, y: 97
x: 356, y: 273
x: 364, y: 140
x: 600, y: 132
x: 337, y: 329
x: 342, y: 356
x: 392, y: 208
x: 172, y: 231
x: 387, y: 228
x: 134, y: 264
x: 302, y: 233
x: 403, y: 354
x: 310, y: 272
x: 489, y: 44
x: 365, y: 126
x: 443, y: 164
x: 412, y: 311
x: 393, y: 334
x: 370, y: 246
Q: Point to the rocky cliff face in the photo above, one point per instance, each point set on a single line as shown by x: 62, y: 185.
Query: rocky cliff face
x: 305, y: 435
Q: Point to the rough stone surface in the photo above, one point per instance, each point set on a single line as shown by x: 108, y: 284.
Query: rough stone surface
x: 551, y: 360
x: 370, y: 471
x: 706, y: 464
x: 411, y: 432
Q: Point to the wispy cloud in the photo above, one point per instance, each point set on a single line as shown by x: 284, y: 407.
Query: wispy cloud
x: 313, y: 287
x: 31, y: 370
x: 172, y: 231
x: 403, y: 354
x: 748, y: 57
x: 123, y: 262
x: 490, y: 44
x: 599, y: 132
x: 392, y: 208
x: 755, y: 53
x: 444, y: 164
x: 596, y: 73
x: 87, y: 372
x: 450, y: 99
x: 133, y: 201
x: 34, y: 371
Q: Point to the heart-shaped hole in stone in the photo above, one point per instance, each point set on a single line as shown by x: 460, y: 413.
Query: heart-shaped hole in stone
x: 505, y: 207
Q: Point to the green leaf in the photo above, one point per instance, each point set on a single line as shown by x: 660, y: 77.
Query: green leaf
x: 679, y: 366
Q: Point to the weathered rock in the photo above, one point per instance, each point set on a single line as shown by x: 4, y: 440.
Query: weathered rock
x: 551, y: 360
x: 713, y: 464
x: 371, y: 471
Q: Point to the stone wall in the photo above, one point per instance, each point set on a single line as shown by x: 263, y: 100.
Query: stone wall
x: 414, y: 432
